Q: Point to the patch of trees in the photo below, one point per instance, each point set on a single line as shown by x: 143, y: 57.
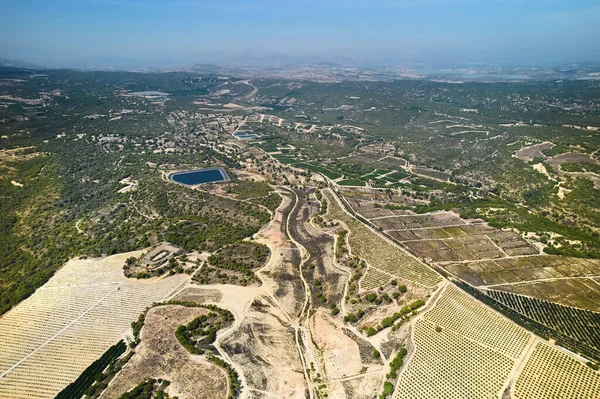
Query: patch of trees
x: 395, y: 364
x: 353, y: 318
x: 78, y: 388
x: 403, y: 314
x: 238, y: 259
x: 200, y: 333
x: 341, y: 248
x: 207, y: 234
x: 271, y: 201
x: 223, y: 262
x: 246, y: 189
x: 235, y: 385
x: 149, y: 389
x: 137, y: 325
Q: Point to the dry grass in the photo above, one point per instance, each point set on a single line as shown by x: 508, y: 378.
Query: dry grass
x: 160, y: 355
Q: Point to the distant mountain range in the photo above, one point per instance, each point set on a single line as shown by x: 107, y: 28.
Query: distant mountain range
x: 333, y: 68
x: 18, y: 64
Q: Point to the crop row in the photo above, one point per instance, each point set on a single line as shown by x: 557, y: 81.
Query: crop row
x: 582, y: 325
x: 465, y: 316
x: 380, y: 253
x: 48, y: 340
x: 550, y: 373
x: 532, y: 325
x: 374, y: 279
x: 76, y: 389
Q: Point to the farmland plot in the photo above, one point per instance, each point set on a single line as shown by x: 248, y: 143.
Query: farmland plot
x: 379, y: 253
x: 430, y: 220
x: 512, y: 244
x: 581, y: 325
x: 470, y: 357
x: 374, y: 278
x: 550, y: 373
x: 444, y: 237
x: 454, y: 249
x: 501, y: 271
x: 582, y: 293
x: 51, y: 337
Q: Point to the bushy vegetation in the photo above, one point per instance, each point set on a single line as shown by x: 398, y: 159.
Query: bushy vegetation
x: 234, y: 264
x: 395, y: 364
x: 225, y: 316
x: 82, y: 384
x: 235, y: 385
x: 149, y: 389
x: 200, y: 333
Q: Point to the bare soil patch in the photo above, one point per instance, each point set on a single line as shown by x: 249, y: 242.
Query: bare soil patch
x: 340, y: 354
x: 160, y: 355
x: 264, y: 348
x: 528, y: 153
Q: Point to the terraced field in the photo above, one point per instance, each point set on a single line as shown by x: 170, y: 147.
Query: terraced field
x: 564, y: 280
x: 550, y: 373
x: 462, y: 350
x: 50, y: 338
x: 379, y: 253
x: 502, y: 271
x: 374, y: 278
x: 445, y: 237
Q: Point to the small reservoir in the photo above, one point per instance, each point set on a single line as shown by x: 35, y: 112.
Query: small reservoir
x: 199, y: 176
x: 245, y: 135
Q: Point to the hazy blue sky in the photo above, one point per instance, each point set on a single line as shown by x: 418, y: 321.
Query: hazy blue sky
x: 186, y: 31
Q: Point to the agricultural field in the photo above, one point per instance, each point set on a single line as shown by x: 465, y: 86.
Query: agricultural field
x: 320, y: 169
x: 583, y: 293
x: 351, y: 182
x: 550, y: 373
x: 434, y: 220
x: 462, y: 350
x: 578, y: 324
x: 444, y: 236
x: 69, y: 322
x: 374, y: 278
x: 436, y: 174
x: 379, y: 253
x: 502, y: 272
x: 374, y: 161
